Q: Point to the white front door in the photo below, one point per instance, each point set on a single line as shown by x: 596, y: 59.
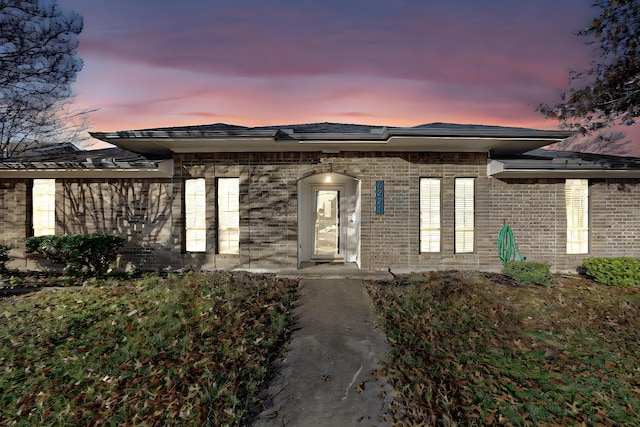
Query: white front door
x: 326, y: 220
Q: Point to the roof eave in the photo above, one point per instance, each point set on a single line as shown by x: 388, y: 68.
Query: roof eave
x: 495, y: 141
x: 164, y: 170
x: 498, y: 169
x: 412, y: 143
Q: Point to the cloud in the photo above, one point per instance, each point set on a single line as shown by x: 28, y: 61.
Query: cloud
x: 159, y: 63
x: 413, y: 40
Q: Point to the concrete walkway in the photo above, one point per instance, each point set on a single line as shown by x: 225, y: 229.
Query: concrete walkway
x: 328, y: 377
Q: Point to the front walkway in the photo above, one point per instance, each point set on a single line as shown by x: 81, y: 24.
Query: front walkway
x: 330, y: 374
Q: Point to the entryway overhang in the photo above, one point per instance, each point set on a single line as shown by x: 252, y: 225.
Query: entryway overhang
x: 328, y: 219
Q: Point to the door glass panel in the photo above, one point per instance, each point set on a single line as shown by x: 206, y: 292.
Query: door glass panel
x: 327, y: 226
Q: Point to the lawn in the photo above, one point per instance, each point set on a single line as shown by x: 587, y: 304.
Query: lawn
x: 479, y: 349
x: 181, y: 350
x: 196, y: 349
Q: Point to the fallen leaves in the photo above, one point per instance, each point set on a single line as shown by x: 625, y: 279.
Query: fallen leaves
x: 485, y: 351
x: 180, y: 350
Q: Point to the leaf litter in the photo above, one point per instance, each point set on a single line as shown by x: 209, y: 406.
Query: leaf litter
x: 481, y: 349
x: 180, y: 350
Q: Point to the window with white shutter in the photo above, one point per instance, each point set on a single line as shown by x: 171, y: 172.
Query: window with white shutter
x: 44, y: 207
x: 577, y: 201
x: 228, y: 215
x: 429, y: 215
x: 195, y: 207
x: 464, y: 215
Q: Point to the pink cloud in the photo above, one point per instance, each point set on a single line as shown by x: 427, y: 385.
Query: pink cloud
x: 151, y: 64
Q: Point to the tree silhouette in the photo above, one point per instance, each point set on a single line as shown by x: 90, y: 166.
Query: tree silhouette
x: 609, y: 91
x: 38, y: 64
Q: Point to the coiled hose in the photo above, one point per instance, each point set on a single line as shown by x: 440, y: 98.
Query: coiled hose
x: 507, y: 248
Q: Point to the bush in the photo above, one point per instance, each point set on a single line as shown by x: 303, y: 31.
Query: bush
x: 81, y: 254
x: 623, y: 271
x: 527, y: 272
x: 4, y: 257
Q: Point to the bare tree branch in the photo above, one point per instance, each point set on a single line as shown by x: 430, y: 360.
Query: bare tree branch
x: 38, y: 64
x: 608, y: 93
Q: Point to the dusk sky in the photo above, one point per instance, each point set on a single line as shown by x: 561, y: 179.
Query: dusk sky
x: 154, y: 63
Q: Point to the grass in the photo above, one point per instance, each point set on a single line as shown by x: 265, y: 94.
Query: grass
x: 466, y: 349
x: 488, y: 351
x: 181, y: 350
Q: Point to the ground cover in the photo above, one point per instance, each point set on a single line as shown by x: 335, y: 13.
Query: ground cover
x: 479, y: 349
x: 181, y: 350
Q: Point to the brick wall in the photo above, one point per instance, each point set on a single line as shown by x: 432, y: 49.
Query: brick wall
x: 535, y: 210
x: 13, y: 217
x: 149, y: 212
x: 615, y: 217
x: 268, y: 205
x: 138, y: 209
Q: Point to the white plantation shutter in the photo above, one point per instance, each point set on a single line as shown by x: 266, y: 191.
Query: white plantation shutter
x: 195, y: 206
x: 228, y: 215
x: 464, y: 214
x: 429, y: 215
x: 577, y: 201
x: 44, y: 207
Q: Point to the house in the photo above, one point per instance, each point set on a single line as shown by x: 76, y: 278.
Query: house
x: 280, y: 197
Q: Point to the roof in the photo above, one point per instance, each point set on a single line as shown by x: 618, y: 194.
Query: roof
x: 442, y: 137
x: 68, y: 160
x: 564, y: 164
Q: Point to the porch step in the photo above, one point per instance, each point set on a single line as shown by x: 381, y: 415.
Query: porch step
x: 347, y: 270
x: 307, y: 264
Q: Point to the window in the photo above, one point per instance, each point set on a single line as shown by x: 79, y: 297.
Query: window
x: 429, y: 215
x: 44, y: 207
x: 228, y: 215
x: 195, y: 213
x: 577, y: 200
x: 464, y: 214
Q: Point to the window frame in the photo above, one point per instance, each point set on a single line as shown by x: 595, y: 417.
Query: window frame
x: 464, y: 207
x: 428, y: 232
x: 577, y: 206
x: 41, y: 188
x: 228, y: 220
x: 195, y: 215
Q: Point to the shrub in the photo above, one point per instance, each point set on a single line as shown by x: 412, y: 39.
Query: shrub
x: 527, y: 272
x: 623, y: 271
x: 4, y: 257
x: 81, y: 254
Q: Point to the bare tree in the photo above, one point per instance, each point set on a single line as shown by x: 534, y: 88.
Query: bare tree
x: 608, y: 92
x: 602, y: 142
x: 38, y: 64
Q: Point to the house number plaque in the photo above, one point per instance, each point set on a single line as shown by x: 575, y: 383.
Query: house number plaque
x: 379, y: 197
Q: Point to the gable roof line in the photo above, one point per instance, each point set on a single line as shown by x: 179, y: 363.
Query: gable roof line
x: 318, y: 136
x: 309, y: 132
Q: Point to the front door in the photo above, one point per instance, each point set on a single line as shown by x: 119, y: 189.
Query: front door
x: 326, y: 230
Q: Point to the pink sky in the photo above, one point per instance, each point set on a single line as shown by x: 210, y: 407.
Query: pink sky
x: 157, y: 63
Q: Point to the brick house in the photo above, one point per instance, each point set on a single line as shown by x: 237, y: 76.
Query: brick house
x: 283, y: 197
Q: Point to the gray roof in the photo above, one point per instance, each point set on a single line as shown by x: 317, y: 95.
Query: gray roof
x: 68, y: 161
x: 550, y: 163
x: 221, y: 137
x: 68, y: 156
x: 327, y: 130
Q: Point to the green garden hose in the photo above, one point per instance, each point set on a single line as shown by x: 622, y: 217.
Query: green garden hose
x: 507, y: 248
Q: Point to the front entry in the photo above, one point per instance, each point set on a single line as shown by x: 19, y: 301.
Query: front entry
x: 328, y: 219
